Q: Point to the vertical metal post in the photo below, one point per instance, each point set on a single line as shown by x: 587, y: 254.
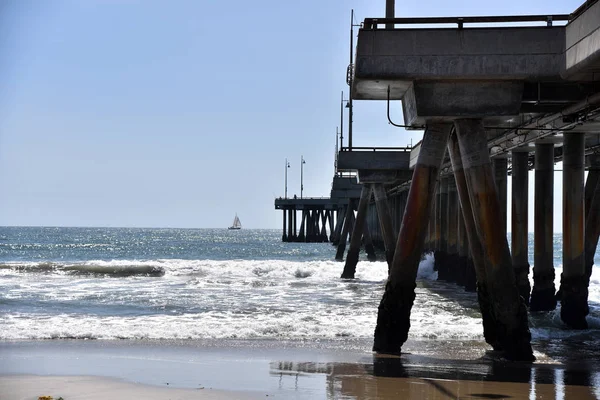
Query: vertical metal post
x: 573, y: 282
x: 287, y: 165
x: 543, y: 293
x: 342, y: 122
x: 302, y: 162
x: 390, y: 11
x: 350, y: 82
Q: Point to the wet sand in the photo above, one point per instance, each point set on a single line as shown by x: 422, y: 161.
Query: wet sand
x: 77, y: 369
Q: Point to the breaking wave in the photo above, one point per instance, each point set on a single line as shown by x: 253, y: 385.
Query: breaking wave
x: 107, y: 269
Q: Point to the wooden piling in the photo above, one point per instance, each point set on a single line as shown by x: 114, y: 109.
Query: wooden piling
x: 573, y: 282
x: 357, y: 233
x: 519, y: 218
x: 393, y: 317
x: 510, y: 312
x: 543, y: 293
x: 385, y: 221
x: 475, y: 246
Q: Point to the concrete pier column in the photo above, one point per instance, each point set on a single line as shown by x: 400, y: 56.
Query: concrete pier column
x: 592, y: 218
x: 284, y: 237
x: 324, y: 226
x: 339, y: 224
x: 543, y: 293
x: 368, y: 242
x: 454, y: 273
x: 475, y: 246
x: 464, y: 252
x: 301, y: 234
x: 339, y: 255
x: 385, y: 221
x: 331, y: 224
x: 435, y: 216
x: 519, y: 227
x: 393, y: 317
x: 500, y: 177
x: 592, y: 232
x: 357, y: 233
x: 295, y: 230
x: 290, y: 225
x: 573, y: 282
x: 510, y: 312
x: 441, y: 257
x: 592, y: 179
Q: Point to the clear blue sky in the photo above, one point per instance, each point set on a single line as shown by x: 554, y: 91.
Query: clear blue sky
x: 181, y: 113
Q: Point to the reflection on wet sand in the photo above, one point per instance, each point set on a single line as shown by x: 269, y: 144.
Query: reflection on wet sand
x: 414, y: 377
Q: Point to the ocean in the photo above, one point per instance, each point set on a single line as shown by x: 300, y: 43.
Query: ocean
x: 205, y: 284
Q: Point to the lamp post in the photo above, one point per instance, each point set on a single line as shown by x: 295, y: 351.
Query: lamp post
x: 342, y: 119
x: 302, y: 162
x: 287, y: 165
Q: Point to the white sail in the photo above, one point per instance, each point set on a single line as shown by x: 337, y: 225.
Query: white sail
x: 236, y: 223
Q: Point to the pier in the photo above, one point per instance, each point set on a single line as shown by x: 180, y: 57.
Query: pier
x: 492, y: 101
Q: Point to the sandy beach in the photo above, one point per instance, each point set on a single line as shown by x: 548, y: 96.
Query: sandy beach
x: 268, y: 369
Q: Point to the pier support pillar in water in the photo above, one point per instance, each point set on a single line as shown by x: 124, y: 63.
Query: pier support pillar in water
x: 519, y: 216
x: 573, y: 282
x: 368, y: 242
x: 500, y: 177
x: 436, y: 214
x: 510, y: 312
x: 393, y: 317
x: 339, y: 255
x: 385, y: 221
x: 543, y: 296
x: 592, y: 214
x: 339, y: 224
x: 284, y: 237
x: 357, y: 233
x: 465, y: 262
x: 454, y: 273
x: 441, y: 257
x: 475, y: 246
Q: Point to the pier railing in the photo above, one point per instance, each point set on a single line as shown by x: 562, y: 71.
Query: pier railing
x: 374, y: 23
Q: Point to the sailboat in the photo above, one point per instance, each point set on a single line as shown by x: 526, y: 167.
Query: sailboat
x: 236, y: 223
